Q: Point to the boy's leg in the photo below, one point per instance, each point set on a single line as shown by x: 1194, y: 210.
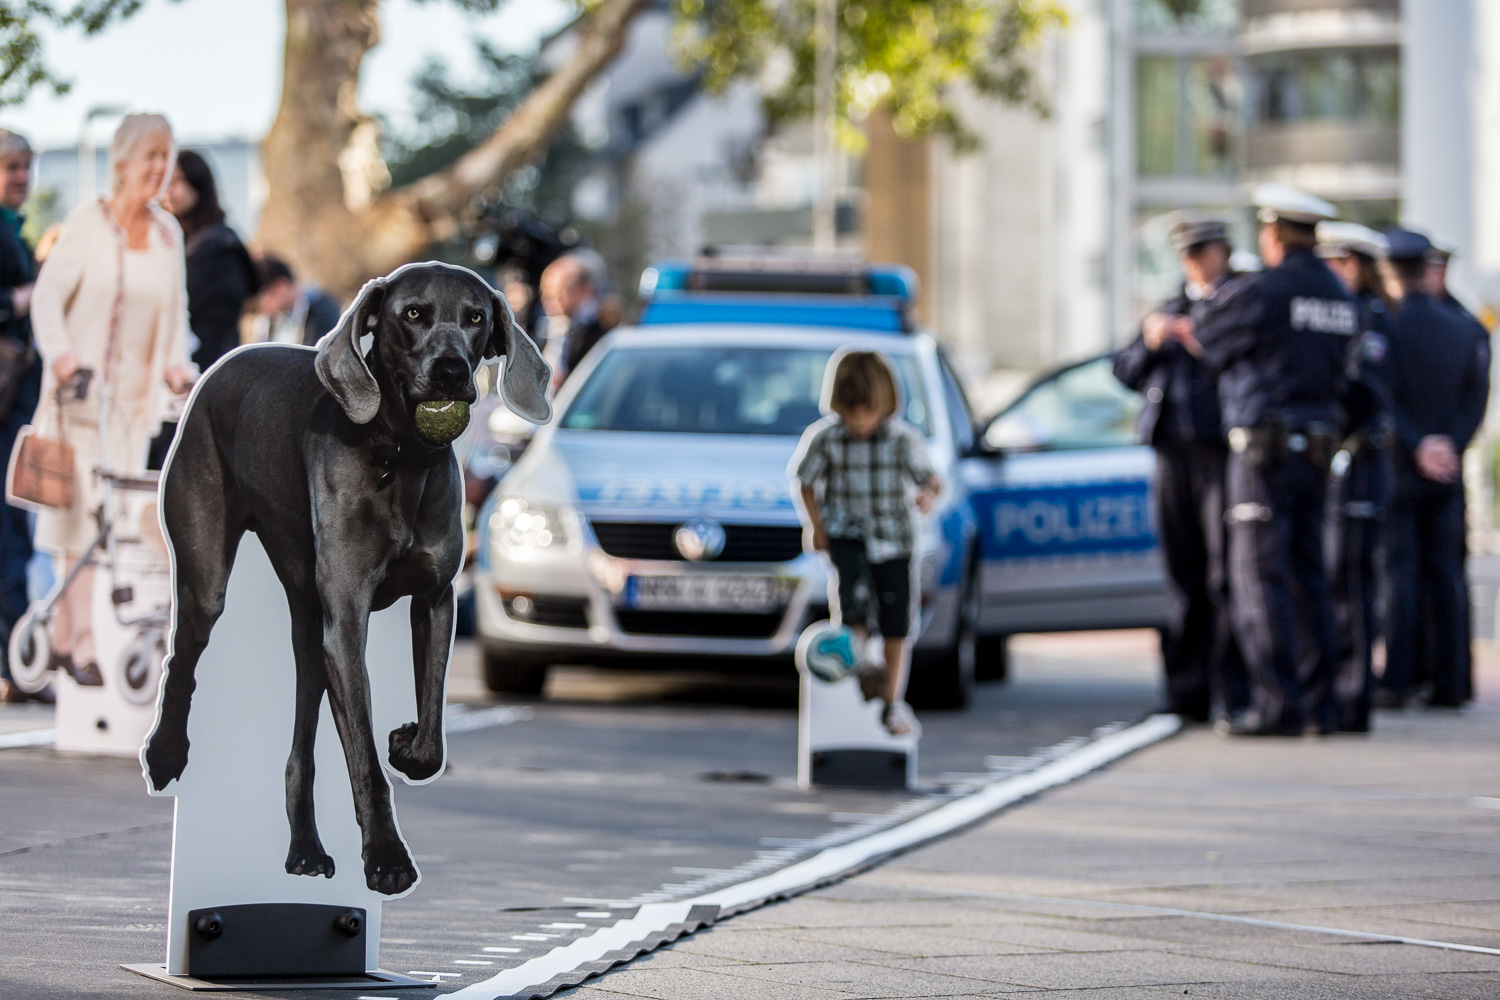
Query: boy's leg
x: 851, y: 606
x: 892, y: 580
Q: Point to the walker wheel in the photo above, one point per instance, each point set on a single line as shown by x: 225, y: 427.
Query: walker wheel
x: 30, y: 652
x: 140, y: 667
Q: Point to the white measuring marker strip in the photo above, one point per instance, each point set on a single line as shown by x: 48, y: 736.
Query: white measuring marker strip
x: 832, y: 863
x: 29, y: 738
x: 1167, y: 911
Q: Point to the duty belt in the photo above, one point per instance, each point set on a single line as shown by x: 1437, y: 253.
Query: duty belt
x: 1269, y: 445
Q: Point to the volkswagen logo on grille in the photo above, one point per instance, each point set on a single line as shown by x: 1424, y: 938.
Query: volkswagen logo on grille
x: 700, y: 539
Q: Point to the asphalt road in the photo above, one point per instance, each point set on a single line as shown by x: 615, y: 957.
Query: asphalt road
x: 612, y: 791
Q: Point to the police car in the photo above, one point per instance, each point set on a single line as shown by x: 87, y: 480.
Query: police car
x: 653, y: 518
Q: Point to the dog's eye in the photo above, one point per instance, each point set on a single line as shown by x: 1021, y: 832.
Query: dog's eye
x: 476, y: 317
x: 413, y: 313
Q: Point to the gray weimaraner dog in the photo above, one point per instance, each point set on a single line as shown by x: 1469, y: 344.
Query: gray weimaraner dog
x: 318, y: 454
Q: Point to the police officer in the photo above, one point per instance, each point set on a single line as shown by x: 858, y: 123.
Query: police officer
x: 1359, y: 495
x: 1438, y: 259
x: 1278, y: 340
x: 1181, y: 421
x: 1439, y: 390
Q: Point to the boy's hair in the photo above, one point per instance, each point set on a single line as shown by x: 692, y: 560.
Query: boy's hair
x: 863, y: 378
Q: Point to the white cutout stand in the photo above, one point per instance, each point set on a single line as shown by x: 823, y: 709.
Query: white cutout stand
x: 231, y: 832
x: 841, y: 741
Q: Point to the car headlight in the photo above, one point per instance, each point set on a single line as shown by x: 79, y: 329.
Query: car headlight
x: 525, y: 524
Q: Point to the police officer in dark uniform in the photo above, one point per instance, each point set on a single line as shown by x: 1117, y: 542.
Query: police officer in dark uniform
x: 1278, y: 340
x: 1438, y: 259
x: 1181, y: 421
x: 1439, y: 391
x: 1360, y: 492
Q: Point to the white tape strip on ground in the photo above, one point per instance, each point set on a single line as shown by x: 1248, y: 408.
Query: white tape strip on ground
x: 29, y: 738
x: 455, y: 720
x: 1167, y: 911
x: 823, y: 867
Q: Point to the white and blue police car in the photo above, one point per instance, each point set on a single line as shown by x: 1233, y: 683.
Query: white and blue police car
x: 653, y: 518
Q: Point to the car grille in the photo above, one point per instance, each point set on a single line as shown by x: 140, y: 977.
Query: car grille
x: 742, y: 542
x: 710, y: 624
x: 558, y: 612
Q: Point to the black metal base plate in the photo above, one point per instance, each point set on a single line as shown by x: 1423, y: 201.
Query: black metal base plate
x: 377, y: 980
x: 859, y: 768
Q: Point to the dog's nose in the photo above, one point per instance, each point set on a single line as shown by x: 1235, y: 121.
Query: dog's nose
x: 450, y: 372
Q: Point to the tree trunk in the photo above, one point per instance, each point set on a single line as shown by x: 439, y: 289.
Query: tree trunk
x: 321, y: 214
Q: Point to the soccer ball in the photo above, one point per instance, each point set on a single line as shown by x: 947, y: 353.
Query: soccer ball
x: 829, y: 652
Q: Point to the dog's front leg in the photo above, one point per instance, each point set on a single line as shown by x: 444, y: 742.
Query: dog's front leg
x: 388, y: 867
x: 417, y: 748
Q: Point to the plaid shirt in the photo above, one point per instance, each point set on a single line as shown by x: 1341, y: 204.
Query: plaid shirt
x: 865, y: 481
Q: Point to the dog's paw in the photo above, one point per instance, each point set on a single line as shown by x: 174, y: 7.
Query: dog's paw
x: 389, y: 870
x: 166, y: 759
x: 406, y: 757
x: 309, y: 859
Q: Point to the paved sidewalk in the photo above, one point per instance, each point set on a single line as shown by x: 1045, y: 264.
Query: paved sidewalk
x: 1394, y: 834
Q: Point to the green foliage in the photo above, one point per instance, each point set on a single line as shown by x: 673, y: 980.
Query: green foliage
x: 43, y: 210
x: 22, y: 68
x: 905, y: 55
x: 452, y: 118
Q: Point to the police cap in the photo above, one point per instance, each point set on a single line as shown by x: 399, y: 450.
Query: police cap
x: 1403, y: 244
x: 1335, y: 239
x: 1188, y: 231
x: 1282, y: 201
x: 1441, y: 251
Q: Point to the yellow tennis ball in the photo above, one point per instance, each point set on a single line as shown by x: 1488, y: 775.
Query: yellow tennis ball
x: 440, y: 423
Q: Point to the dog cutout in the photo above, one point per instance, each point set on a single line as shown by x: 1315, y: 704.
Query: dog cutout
x: 317, y: 453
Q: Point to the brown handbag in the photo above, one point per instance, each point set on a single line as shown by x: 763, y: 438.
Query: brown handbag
x: 43, y: 471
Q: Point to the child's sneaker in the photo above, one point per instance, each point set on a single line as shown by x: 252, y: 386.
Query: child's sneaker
x: 898, y: 720
x: 871, y: 681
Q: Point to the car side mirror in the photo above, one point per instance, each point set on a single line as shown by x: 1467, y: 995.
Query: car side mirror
x: 1014, y: 432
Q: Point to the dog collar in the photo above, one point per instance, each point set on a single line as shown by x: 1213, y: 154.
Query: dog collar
x: 389, y: 457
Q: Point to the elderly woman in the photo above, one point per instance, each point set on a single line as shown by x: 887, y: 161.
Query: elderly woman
x: 110, y: 300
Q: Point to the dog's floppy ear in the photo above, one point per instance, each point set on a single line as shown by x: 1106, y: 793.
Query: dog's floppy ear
x: 341, y: 364
x: 527, y: 374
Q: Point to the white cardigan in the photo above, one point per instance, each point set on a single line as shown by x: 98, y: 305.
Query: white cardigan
x: 72, y: 304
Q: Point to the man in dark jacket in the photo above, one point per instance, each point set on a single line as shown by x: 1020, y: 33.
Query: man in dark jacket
x: 20, y: 386
x: 1180, y: 419
x: 1279, y: 341
x: 1440, y: 387
x: 292, y: 314
x: 570, y: 298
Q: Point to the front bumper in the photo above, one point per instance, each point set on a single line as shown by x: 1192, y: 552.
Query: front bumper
x: 566, y: 600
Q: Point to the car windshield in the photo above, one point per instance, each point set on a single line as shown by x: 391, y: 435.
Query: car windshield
x: 718, y: 390
x: 1080, y: 407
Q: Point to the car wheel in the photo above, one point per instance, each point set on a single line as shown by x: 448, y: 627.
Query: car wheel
x: 511, y: 672
x: 992, y: 658
x: 945, y: 679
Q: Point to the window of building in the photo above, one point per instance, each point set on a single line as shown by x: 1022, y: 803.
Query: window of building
x: 1351, y: 85
x: 1189, y: 116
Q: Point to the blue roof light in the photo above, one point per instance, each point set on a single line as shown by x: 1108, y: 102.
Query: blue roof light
x: 809, y: 291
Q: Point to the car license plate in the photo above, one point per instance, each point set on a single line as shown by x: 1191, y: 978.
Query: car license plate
x: 696, y: 592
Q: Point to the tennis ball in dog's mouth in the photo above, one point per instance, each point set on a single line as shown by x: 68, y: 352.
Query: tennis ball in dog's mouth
x: 440, y: 423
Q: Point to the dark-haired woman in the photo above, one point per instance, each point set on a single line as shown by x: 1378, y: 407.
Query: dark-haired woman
x: 220, y: 275
x: 1363, y: 476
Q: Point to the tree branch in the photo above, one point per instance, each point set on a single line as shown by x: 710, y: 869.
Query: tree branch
x: 443, y: 198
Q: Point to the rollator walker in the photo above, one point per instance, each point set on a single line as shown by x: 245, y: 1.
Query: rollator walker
x: 131, y: 640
